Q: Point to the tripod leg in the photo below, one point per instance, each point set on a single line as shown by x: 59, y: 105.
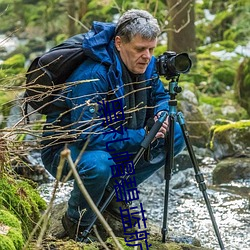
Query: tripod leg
x: 144, y: 145
x: 168, y: 172
x: 199, y: 176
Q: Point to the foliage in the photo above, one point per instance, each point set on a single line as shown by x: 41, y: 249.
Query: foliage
x: 22, y: 200
x: 13, y: 238
x: 242, y: 84
x: 227, y: 21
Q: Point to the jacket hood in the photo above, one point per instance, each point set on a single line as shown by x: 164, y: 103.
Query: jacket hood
x: 98, y: 43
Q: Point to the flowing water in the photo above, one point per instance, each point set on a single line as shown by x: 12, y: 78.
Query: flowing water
x: 187, y: 212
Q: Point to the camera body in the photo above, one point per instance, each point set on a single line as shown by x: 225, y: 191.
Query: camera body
x: 171, y: 65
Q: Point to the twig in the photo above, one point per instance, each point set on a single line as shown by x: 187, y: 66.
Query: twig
x: 77, y: 21
x: 66, y: 154
x: 45, y: 217
x: 99, y: 238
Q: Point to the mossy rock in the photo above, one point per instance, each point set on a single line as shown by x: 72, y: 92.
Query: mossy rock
x: 11, y: 237
x: 22, y: 200
x: 232, y: 139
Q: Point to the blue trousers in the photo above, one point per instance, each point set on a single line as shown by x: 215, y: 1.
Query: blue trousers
x: 94, y: 169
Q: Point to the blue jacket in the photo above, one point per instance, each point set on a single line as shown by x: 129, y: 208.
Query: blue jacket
x: 103, y: 69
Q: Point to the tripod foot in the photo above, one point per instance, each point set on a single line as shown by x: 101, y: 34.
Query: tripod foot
x: 164, y: 232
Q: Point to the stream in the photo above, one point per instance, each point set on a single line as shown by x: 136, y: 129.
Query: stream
x: 187, y: 212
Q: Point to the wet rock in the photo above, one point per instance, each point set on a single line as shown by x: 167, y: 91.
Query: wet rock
x: 231, y: 139
x: 181, y: 179
x: 231, y: 169
x: 197, y: 125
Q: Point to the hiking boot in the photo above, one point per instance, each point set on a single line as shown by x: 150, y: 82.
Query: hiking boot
x: 113, y: 209
x: 75, y: 231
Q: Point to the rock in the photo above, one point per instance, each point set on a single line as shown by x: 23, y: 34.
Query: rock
x: 181, y: 179
x: 190, y: 96
x: 197, y: 125
x: 232, y: 139
x: 231, y: 169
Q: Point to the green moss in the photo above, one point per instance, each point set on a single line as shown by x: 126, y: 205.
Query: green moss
x: 21, y: 199
x: 16, y: 237
x: 212, y: 100
x: 235, y: 125
x: 13, y: 71
x: 13, y: 238
x: 16, y: 61
x: 228, y: 45
x: 239, y: 128
x: 225, y: 75
x: 9, y: 219
x: 6, y: 243
x: 242, y: 84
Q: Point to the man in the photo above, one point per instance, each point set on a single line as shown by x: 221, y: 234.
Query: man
x: 121, y: 69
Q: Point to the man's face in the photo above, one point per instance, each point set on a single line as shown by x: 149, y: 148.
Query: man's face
x: 137, y: 53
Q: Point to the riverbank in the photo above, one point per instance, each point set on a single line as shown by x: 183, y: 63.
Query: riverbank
x: 188, y: 216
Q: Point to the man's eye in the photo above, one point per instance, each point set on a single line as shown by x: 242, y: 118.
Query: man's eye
x: 139, y: 50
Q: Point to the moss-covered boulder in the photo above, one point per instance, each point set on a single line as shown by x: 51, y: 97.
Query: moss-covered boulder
x: 11, y: 237
x: 230, y: 139
x: 231, y: 169
x: 22, y: 200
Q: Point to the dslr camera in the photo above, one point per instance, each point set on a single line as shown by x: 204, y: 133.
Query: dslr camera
x: 171, y: 65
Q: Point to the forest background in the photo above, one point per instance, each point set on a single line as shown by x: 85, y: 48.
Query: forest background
x: 214, y: 33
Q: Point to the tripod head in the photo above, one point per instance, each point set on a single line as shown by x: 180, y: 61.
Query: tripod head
x: 174, y: 89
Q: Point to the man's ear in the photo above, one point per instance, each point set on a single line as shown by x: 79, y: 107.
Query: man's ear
x: 118, y: 42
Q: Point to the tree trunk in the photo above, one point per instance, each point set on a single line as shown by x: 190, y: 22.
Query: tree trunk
x: 71, y: 6
x: 83, y: 7
x: 181, y: 27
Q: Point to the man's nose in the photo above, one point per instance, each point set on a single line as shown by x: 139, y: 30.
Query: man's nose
x: 146, y: 54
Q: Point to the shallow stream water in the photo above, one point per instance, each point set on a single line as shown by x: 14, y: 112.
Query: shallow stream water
x: 187, y: 212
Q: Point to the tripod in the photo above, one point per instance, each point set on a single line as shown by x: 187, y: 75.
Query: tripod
x: 144, y: 146
x: 173, y: 90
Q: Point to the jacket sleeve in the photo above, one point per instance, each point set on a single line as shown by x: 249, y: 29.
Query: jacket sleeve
x: 87, y: 117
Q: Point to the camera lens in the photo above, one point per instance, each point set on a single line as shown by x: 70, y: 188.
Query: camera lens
x: 182, y: 63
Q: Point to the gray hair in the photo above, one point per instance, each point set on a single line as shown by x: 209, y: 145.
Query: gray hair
x: 137, y: 22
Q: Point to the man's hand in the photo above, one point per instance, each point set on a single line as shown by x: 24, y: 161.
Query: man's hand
x: 163, y: 129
